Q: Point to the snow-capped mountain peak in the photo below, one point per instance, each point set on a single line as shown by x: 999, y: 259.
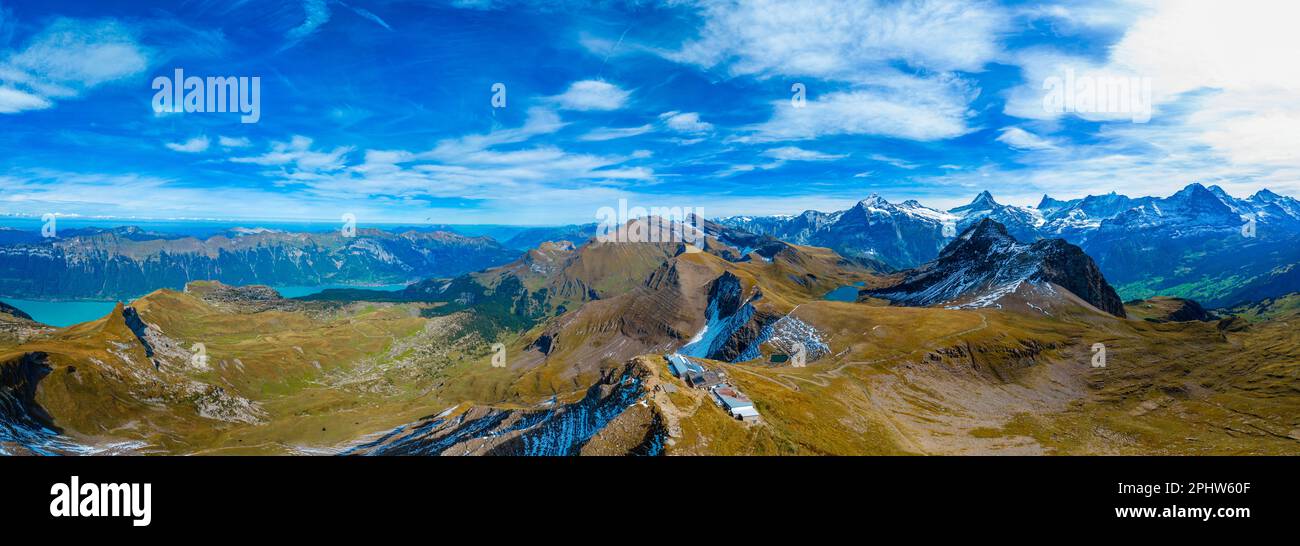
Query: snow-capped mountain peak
x: 1131, y: 238
x: 985, y: 265
x: 875, y: 201
x: 983, y: 201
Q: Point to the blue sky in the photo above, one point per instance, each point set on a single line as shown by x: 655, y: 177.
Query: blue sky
x: 382, y: 108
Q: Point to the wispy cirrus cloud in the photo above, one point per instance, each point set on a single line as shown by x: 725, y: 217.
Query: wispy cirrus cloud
x: 66, y: 59
x: 194, y: 145
x: 13, y: 101
x: 779, y: 157
x: 838, y: 39
x: 315, y: 14
x: 862, y: 44
x: 793, y: 153
x: 612, y: 133
x: 367, y: 14
x: 297, y: 156
x: 923, y: 111
x: 499, y: 167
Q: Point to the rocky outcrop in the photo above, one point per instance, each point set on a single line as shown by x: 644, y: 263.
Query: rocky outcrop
x: 19, y: 377
x: 985, y: 264
x: 734, y: 327
x: 12, y: 311
x: 217, y: 292
x: 1166, y: 309
x: 25, y: 426
x: 550, y: 430
x: 1067, y: 266
x: 1189, y: 310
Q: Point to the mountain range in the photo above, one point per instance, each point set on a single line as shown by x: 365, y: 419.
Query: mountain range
x: 1199, y: 243
x: 988, y: 343
x: 125, y: 262
x: 1194, y: 243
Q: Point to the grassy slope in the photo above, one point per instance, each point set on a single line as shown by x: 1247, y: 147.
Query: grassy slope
x: 347, y: 370
x: 940, y: 382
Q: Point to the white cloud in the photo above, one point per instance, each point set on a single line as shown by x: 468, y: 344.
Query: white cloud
x: 1246, y: 51
x: 1072, y: 17
x: 1050, y: 76
x: 843, y: 39
x: 497, y: 168
x: 611, y: 133
x: 540, y: 121
x: 862, y: 43
x: 99, y: 194
x: 367, y: 14
x: 14, y: 101
x: 779, y: 156
x: 1221, y: 75
x: 893, y: 161
x: 94, y: 194
x: 592, y: 95
x: 234, y: 142
x: 191, y: 146
x: 67, y: 58
x: 315, y: 14
x: 685, y: 122
x: 1133, y: 159
x: 916, y: 111
x: 298, y: 156
x: 1021, y: 139
x: 792, y: 153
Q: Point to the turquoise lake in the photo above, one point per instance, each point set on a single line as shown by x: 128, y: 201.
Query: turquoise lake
x: 848, y: 292
x: 62, y: 313
x: 67, y: 313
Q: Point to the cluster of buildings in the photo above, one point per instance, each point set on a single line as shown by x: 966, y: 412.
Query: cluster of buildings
x: 724, y: 394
